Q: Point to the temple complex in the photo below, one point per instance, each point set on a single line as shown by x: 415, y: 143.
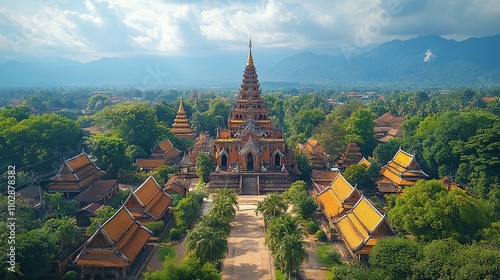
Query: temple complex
x: 181, y: 127
x: 402, y: 171
x: 251, y: 155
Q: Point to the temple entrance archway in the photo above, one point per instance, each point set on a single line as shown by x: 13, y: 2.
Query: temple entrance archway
x: 277, y: 160
x: 223, y: 160
x: 250, y: 162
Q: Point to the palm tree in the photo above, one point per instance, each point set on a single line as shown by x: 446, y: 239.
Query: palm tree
x: 208, y: 244
x: 290, y: 253
x: 224, y: 204
x: 271, y: 206
x: 279, y: 228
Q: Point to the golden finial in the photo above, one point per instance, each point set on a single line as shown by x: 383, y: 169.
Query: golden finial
x: 250, y: 58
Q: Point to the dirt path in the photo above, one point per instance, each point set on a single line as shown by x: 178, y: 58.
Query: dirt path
x: 312, y: 269
x: 247, y: 258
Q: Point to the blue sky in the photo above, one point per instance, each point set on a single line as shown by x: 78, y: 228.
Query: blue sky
x: 91, y: 29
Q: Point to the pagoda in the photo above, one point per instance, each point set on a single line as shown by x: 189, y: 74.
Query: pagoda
x: 251, y: 155
x: 181, y: 127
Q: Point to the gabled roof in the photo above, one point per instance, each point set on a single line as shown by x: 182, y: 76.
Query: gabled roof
x: 116, y: 243
x: 250, y: 146
x: 337, y: 197
x: 153, y: 201
x: 363, y: 225
x: 403, y: 169
x: 365, y: 162
x: 97, y: 191
x: 76, y: 174
x: 149, y: 163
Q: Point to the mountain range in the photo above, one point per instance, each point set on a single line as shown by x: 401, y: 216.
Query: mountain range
x: 425, y: 61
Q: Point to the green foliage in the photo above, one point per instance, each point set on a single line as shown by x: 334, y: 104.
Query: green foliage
x: 384, y: 152
x: 187, y: 209
x: 37, y: 138
x: 164, y: 172
x: 19, y: 113
x: 304, y: 166
x: 98, y: 102
x: 272, y: 205
x: 103, y: 214
x: 215, y: 116
x: 118, y: 198
x: 359, y: 127
x: 321, y: 236
x: 135, y: 151
x: 354, y: 271
x: 395, y: 256
x: 304, y: 122
x: 71, y: 275
x: 165, y: 113
x: 65, y: 231
x: 135, y: 122
x: 207, y: 243
x: 312, y: 227
x: 205, y: 163
x: 357, y: 175
x: 331, y: 134
x: 40, y: 241
x: 303, y: 204
x: 429, y: 211
x: 166, y: 252
x: 155, y: 227
x: 110, y: 153
x: 175, y: 234
x: 187, y: 269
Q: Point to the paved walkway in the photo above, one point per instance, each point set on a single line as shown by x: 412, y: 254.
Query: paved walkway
x: 247, y: 258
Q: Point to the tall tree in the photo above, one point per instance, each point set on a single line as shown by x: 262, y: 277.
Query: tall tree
x: 359, y: 127
x: 395, y: 256
x: 205, y: 164
x: 207, y: 243
x: 110, y: 153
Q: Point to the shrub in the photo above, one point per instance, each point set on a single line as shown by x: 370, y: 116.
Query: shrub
x: 71, y: 275
x: 321, y: 236
x: 333, y: 256
x: 155, y: 227
x: 175, y: 234
x: 312, y: 227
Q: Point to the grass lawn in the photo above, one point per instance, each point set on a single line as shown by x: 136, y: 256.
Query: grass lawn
x: 322, y: 258
x: 166, y: 251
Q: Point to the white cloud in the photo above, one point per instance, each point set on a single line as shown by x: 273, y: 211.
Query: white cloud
x: 95, y: 28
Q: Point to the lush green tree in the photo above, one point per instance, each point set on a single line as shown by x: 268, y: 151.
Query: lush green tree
x: 384, y: 152
x: 110, y: 153
x: 297, y: 190
x: 65, y: 231
x: 357, y: 175
x: 304, y: 166
x: 103, y: 214
x: 395, y: 257
x: 155, y: 227
x: 135, y: 122
x: 205, y: 163
x: 187, y: 269
x: 359, y: 127
x: 34, y: 265
x: 224, y: 205
x: 473, y: 262
x: 331, y: 134
x: 480, y: 160
x: 98, y: 102
x: 304, y: 122
x: 40, y: 137
x: 428, y: 211
x: 207, y: 243
x: 165, y: 113
x: 164, y: 172
x: 279, y: 228
x: 354, y: 271
x: 436, y: 256
x: 491, y: 235
x: 272, y: 205
x: 291, y: 254
x: 19, y: 113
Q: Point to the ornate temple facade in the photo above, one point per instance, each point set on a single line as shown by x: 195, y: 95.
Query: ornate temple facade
x: 250, y: 153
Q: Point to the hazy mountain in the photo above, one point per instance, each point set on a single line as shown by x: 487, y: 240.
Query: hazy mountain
x: 422, y: 61
x: 426, y: 61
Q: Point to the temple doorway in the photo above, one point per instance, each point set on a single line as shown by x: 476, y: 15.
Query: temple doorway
x: 223, y: 160
x: 277, y: 160
x: 250, y: 162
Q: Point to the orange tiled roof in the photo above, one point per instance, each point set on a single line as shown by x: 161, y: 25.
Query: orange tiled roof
x: 165, y: 145
x: 97, y: 191
x: 334, y: 198
x: 76, y: 174
x: 115, y: 244
x: 359, y: 226
x: 147, y: 163
x: 154, y: 200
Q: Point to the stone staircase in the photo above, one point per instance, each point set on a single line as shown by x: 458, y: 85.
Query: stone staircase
x: 249, y: 185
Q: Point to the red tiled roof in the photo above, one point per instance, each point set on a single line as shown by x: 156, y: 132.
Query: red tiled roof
x: 97, y: 191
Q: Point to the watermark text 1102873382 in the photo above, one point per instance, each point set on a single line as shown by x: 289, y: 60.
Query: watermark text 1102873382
x: 11, y: 217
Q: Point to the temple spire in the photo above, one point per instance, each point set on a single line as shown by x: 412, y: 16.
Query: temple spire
x: 250, y: 58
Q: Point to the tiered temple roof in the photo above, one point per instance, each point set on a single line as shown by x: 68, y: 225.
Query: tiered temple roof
x: 402, y: 171
x: 149, y: 202
x: 337, y: 198
x: 314, y: 153
x: 75, y: 175
x: 351, y: 156
x: 181, y: 127
x: 163, y: 153
x: 362, y: 226
x: 115, y: 244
